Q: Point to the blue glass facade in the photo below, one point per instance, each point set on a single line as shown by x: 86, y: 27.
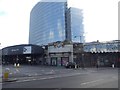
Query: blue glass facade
x: 47, y: 23
x: 51, y: 21
x: 75, y: 25
x: 100, y: 47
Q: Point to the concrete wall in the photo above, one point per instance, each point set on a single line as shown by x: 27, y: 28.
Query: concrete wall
x: 66, y: 48
x: 60, y: 53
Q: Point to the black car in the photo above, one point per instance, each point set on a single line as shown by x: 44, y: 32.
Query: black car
x: 70, y: 65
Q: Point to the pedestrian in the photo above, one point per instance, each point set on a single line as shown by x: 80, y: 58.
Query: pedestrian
x: 113, y: 65
x: 96, y: 65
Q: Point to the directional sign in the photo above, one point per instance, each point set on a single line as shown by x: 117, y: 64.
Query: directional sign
x: 27, y: 50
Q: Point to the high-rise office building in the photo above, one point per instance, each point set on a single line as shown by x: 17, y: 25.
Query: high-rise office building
x: 51, y: 21
x: 75, y: 29
x: 47, y: 22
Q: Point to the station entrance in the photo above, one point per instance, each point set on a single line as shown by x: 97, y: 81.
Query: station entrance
x: 23, y: 54
x: 23, y: 59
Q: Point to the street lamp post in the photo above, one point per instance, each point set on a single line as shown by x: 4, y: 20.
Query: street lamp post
x: 82, y: 51
x: 80, y: 38
x: 83, y: 60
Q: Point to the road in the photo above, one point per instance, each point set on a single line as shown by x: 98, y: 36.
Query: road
x: 88, y: 78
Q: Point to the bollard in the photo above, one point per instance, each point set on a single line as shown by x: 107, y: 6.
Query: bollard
x: 6, y: 77
x: 6, y: 74
x: 18, y: 65
x: 75, y: 66
x: 15, y: 65
x: 113, y: 66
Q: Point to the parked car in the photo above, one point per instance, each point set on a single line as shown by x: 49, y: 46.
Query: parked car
x: 70, y: 65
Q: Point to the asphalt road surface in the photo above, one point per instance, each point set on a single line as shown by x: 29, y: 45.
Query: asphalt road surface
x: 88, y: 78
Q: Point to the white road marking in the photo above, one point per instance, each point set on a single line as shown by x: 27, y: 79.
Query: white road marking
x: 91, y: 82
x: 50, y: 77
x: 29, y: 75
x: 92, y: 71
x: 10, y: 73
x: 26, y: 80
x: 41, y: 78
x: 36, y: 74
x: 16, y: 81
x: 115, y: 77
x: 34, y: 79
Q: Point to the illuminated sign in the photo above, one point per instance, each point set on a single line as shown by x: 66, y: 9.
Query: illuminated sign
x: 27, y: 50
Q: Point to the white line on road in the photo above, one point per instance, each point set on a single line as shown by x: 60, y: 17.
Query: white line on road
x: 20, y: 81
x: 50, y: 77
x: 115, y: 77
x: 41, y: 78
x: 34, y: 79
x: 26, y: 80
x: 91, y: 82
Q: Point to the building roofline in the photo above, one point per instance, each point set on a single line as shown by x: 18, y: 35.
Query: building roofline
x: 53, y: 1
x: 21, y: 45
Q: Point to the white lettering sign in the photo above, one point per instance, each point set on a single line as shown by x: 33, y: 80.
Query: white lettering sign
x: 27, y: 50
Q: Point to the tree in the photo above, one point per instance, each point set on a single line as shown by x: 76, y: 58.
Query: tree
x: 67, y: 42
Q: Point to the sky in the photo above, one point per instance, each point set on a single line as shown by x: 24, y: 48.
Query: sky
x: 100, y: 20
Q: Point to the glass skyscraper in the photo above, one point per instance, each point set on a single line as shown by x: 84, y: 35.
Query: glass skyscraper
x: 51, y: 21
x: 47, y: 22
x: 75, y: 25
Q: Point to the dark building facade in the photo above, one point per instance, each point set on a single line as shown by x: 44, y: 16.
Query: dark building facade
x: 103, y: 53
x: 23, y: 54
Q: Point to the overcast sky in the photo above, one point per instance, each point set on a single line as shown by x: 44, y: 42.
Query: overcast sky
x: 100, y: 20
